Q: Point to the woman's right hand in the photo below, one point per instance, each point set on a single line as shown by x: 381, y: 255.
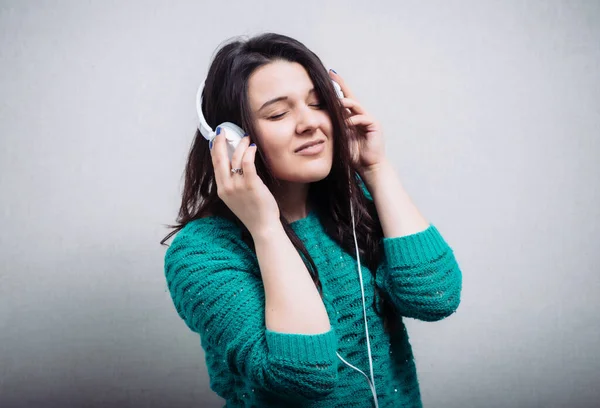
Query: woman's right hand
x: 245, y: 194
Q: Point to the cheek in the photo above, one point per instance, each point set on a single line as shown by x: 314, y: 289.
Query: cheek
x: 326, y: 125
x: 274, y: 139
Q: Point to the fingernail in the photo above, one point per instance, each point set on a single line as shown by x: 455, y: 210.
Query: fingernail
x: 245, y: 134
x: 333, y: 70
x: 218, y: 130
x: 210, y: 145
x: 253, y: 144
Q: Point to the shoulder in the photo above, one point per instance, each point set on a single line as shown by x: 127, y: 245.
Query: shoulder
x: 207, y: 231
x: 208, y: 236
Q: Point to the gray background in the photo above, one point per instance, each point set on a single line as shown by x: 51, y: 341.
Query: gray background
x: 491, y: 111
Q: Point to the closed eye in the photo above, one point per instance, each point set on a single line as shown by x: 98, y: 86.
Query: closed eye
x: 279, y: 116
x: 275, y: 117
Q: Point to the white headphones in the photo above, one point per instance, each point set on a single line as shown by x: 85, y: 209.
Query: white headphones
x: 234, y: 135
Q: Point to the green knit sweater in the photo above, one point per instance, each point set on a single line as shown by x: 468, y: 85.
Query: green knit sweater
x: 215, y: 283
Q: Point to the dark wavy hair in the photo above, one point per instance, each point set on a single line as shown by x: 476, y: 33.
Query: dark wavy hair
x: 225, y: 99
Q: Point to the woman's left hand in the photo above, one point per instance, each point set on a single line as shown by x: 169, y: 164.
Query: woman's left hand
x: 368, y: 150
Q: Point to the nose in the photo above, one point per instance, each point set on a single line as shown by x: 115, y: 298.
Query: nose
x: 307, y: 120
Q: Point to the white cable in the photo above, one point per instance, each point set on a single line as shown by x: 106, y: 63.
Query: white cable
x: 362, y: 292
x: 373, y: 391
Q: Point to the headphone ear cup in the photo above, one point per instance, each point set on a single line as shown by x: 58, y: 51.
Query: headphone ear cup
x: 338, y: 89
x: 233, y: 135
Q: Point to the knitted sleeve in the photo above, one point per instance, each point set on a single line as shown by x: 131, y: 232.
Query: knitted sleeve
x: 421, y: 275
x: 215, y: 284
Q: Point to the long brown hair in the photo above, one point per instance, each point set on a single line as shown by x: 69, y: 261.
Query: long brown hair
x: 226, y: 89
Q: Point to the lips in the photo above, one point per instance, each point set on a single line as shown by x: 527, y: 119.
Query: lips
x: 309, y: 144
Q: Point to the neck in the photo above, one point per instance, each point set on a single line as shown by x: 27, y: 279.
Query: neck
x: 292, y: 199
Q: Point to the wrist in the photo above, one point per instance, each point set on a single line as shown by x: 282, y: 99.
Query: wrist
x: 377, y: 173
x: 267, y: 231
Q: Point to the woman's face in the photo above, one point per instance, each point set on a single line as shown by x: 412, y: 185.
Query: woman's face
x: 288, y: 115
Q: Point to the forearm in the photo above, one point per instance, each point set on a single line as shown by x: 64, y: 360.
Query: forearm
x: 292, y: 301
x: 398, y: 215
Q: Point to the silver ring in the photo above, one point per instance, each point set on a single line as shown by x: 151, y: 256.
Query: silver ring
x: 237, y: 170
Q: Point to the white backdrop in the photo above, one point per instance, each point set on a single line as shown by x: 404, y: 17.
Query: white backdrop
x: 492, y: 116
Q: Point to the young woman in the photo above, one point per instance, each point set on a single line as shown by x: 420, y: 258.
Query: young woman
x: 263, y: 266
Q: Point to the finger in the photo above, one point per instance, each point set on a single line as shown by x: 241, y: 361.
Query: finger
x: 220, y: 159
x: 353, y: 105
x: 354, y: 152
x: 238, y: 154
x: 248, y: 165
x: 360, y: 120
x: 345, y: 89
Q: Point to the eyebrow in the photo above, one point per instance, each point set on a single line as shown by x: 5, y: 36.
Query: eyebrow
x: 279, y: 99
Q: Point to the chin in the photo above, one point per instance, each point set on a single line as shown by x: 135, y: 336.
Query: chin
x: 307, y: 172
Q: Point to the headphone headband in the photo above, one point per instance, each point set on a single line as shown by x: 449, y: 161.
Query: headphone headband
x: 203, y: 127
